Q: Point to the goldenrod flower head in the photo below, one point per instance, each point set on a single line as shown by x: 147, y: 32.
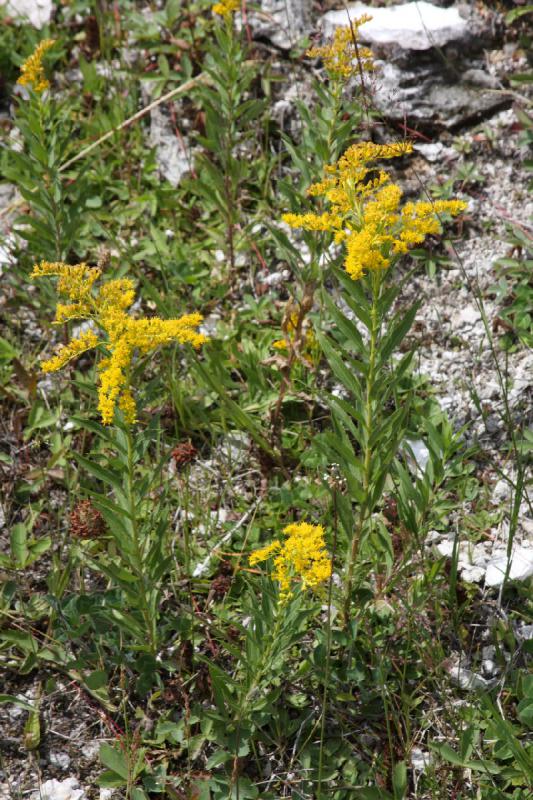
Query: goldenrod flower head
x: 226, y: 7
x: 115, y: 331
x: 366, y: 211
x: 300, y: 558
x: 32, y: 71
x: 66, y: 352
x: 345, y: 55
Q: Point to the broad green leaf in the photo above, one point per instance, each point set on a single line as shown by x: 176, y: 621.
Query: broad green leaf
x: 114, y: 759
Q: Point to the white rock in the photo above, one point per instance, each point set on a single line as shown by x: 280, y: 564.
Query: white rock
x: 411, y: 26
x: 275, y: 278
x: 469, y: 315
x: 7, y: 246
x: 521, y: 566
x: 417, y: 454
x: 472, y: 574
x: 525, y: 632
x: 466, y: 679
x: 420, y: 759
x: 173, y: 154
x: 68, y: 789
x: 446, y: 547
x: 60, y: 760
x: 37, y: 12
x: 436, y: 151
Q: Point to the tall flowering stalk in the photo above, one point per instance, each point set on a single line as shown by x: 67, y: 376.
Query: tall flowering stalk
x: 55, y: 198
x: 365, y: 214
x: 104, y: 306
x: 301, y: 565
x: 229, y: 123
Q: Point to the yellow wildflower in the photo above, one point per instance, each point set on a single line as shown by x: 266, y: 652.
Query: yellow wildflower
x: 32, y: 71
x: 118, y: 333
x: 226, y: 7
x: 345, y: 55
x: 301, y: 558
x: 366, y: 212
x: 86, y: 341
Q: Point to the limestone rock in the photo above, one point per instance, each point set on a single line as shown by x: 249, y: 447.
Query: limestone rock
x: 282, y: 22
x: 37, y: 12
x: 172, y: 152
x: 410, y: 26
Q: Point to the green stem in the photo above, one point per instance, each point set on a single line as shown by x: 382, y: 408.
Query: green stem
x: 365, y: 510
x: 336, y: 95
x: 245, y: 699
x: 144, y: 604
x: 328, y: 653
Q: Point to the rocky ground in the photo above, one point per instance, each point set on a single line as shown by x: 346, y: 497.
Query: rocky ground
x: 444, y: 77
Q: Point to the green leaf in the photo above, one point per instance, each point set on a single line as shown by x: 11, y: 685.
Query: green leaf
x: 371, y: 793
x: 114, y: 759
x: 399, y: 780
x: 525, y: 711
x: 393, y: 339
x: 7, y: 352
x: 19, y: 544
x: 218, y: 758
x: 139, y: 794
x: 32, y: 731
x: 101, y: 473
x: 8, y: 698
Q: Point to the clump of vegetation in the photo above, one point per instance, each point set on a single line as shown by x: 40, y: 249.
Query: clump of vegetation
x: 235, y: 568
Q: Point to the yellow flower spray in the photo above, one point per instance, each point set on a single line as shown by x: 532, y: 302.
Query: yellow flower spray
x: 366, y: 212
x: 115, y: 331
x: 300, y: 558
x: 345, y: 56
x: 32, y: 70
x: 226, y: 8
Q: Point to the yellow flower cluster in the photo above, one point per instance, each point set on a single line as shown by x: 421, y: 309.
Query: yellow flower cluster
x: 106, y: 309
x: 32, y: 71
x: 345, y: 56
x: 301, y: 557
x: 226, y: 7
x: 366, y: 212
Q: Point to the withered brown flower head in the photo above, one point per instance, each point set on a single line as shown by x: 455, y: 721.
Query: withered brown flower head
x: 86, y: 522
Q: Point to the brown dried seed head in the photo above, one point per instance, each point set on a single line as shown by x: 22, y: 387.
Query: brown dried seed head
x: 86, y: 522
x: 184, y: 453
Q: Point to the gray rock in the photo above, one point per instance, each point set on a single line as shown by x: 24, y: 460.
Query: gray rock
x: 173, y: 154
x: 59, y: 760
x: 410, y: 26
x: 282, y: 22
x: 37, y: 12
x: 429, y: 95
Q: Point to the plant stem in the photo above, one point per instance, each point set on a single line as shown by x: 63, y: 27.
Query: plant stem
x: 328, y: 652
x: 245, y: 699
x: 365, y: 510
x: 149, y: 620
